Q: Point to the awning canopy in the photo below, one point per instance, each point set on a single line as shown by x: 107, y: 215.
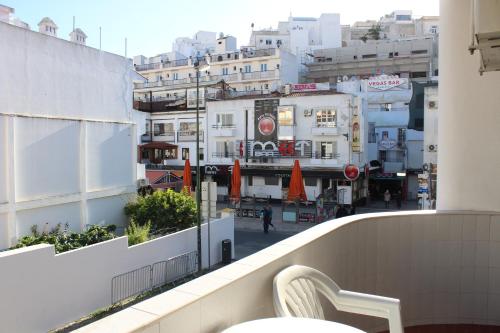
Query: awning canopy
x: 157, y: 145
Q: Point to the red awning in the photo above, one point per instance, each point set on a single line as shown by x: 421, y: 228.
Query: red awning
x: 158, y: 145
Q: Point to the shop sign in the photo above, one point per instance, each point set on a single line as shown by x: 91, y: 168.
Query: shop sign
x: 218, y: 169
x: 383, y: 83
x: 299, y: 87
x: 281, y: 148
x: 356, y: 138
x: 351, y: 172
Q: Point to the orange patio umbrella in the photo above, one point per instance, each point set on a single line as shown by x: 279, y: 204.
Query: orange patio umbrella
x: 235, y: 194
x: 186, y: 176
x: 296, y: 190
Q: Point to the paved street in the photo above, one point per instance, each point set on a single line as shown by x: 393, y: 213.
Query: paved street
x: 250, y: 238
x: 250, y: 241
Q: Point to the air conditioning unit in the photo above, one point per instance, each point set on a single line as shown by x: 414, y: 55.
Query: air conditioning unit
x: 432, y: 104
x: 486, y: 33
x: 432, y: 148
x: 308, y: 112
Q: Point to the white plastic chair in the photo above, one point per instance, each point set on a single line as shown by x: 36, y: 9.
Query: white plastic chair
x: 296, y: 290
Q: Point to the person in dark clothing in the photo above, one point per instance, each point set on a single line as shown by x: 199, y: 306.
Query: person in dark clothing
x: 353, y: 210
x: 267, y: 217
x: 341, y: 212
x: 398, y: 199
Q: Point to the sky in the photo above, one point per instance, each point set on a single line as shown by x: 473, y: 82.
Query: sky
x: 151, y: 26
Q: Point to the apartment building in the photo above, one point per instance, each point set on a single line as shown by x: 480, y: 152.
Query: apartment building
x: 415, y: 58
x: 300, y: 36
x: 169, y: 96
x: 323, y: 129
x: 393, y: 146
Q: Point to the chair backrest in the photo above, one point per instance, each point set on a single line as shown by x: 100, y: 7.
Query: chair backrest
x: 296, y: 290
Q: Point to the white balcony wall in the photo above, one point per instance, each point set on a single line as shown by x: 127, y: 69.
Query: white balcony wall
x: 3, y: 160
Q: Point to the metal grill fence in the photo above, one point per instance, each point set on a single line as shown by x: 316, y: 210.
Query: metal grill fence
x: 149, y: 277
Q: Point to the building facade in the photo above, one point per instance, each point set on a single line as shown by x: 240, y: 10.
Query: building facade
x: 300, y: 36
x: 324, y: 130
x: 391, y: 144
x: 169, y: 96
x: 411, y: 58
x: 67, y: 139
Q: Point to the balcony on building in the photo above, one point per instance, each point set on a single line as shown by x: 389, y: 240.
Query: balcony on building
x: 326, y: 159
x: 166, y: 136
x: 223, y: 157
x: 324, y: 129
x: 223, y: 130
x: 189, y: 136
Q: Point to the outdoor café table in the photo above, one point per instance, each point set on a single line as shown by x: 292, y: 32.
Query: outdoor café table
x: 291, y: 325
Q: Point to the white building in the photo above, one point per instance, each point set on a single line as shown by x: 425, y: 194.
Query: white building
x: 314, y: 127
x: 397, y: 149
x: 67, y: 139
x: 78, y: 36
x: 7, y: 16
x: 169, y: 95
x: 202, y: 42
x: 300, y: 36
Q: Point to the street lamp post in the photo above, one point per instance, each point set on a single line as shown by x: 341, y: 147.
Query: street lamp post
x: 198, y: 68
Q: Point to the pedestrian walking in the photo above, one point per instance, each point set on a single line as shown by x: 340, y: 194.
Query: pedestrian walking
x: 341, y: 212
x: 387, y: 198
x: 267, y: 217
x: 398, y: 199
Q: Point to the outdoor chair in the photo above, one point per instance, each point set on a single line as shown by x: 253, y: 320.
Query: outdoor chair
x: 295, y: 294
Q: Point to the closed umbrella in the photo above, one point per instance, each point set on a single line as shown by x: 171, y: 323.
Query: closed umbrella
x: 186, y: 177
x: 296, y: 190
x: 235, y: 194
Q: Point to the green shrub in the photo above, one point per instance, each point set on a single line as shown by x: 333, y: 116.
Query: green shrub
x: 165, y: 209
x: 138, y: 234
x: 63, y: 240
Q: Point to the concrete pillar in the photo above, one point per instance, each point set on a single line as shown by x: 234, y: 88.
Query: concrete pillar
x: 469, y: 119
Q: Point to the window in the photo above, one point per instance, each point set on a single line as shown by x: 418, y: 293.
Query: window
x: 269, y: 42
x: 326, y: 118
x: 263, y: 67
x: 386, y: 107
x: 224, y: 149
x: 434, y: 29
x: 310, y: 181
x: 250, y: 180
x: 372, y: 137
x: 326, y: 150
x: 163, y: 129
x: 202, y: 155
x: 403, y: 17
x: 369, y: 56
x: 285, y: 116
x: 419, y: 52
x: 185, y: 154
x: 266, y: 86
x: 271, y: 180
x: 176, y: 76
x: 382, y: 155
x: 248, y: 68
x: 224, y: 119
x: 225, y: 71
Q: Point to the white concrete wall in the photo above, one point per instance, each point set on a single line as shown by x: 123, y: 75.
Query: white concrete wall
x: 469, y: 121
x: 67, y: 135
x: 42, y: 291
x: 437, y: 264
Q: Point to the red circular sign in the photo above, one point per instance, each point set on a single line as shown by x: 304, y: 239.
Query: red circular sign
x: 266, y: 126
x: 351, y: 171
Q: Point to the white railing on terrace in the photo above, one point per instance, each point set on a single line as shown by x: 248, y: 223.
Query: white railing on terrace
x: 258, y: 75
x: 164, y: 64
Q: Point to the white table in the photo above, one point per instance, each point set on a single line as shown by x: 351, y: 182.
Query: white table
x: 291, y: 325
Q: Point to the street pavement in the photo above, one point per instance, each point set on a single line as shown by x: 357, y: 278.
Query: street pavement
x: 250, y: 238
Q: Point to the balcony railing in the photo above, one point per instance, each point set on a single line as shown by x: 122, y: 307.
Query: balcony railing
x: 325, y: 156
x: 258, y: 53
x: 146, y: 137
x: 188, y: 136
x: 258, y: 75
x: 165, y: 136
x: 226, y: 126
x: 164, y: 64
x: 224, y: 155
